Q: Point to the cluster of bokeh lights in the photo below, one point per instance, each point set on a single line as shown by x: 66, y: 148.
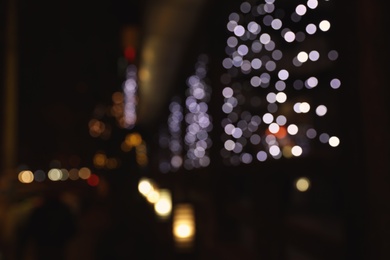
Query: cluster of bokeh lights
x: 270, y: 71
x: 59, y: 174
x: 192, y: 150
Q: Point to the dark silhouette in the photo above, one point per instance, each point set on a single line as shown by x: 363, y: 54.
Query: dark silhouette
x: 47, y: 231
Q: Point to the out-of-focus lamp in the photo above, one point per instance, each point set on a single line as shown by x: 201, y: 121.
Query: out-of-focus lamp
x: 183, y: 226
x: 145, y: 186
x: 163, y: 207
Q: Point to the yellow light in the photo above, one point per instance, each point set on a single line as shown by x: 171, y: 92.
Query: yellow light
x: 302, y: 184
x: 287, y: 151
x: 26, y: 177
x: 163, y: 207
x: 54, y: 174
x: 99, y: 160
x: 183, y: 226
x: 183, y: 230
x: 145, y: 186
x: 153, y: 196
x: 133, y: 139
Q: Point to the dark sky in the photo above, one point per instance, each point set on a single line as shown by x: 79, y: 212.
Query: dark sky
x: 68, y: 65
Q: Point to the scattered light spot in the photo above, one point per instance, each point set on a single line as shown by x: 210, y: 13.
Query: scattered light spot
x: 283, y: 74
x: 324, y: 25
x: 296, y: 150
x: 93, y: 180
x: 302, y: 56
x: 302, y: 184
x: 321, y: 110
x: 312, y: 4
x: 311, y: 28
x: 145, y: 186
x: 26, y: 177
x: 292, y: 129
x: 300, y: 9
x: 335, y: 83
x: 84, y: 173
x: 334, y: 141
x: 163, y: 207
x: 289, y: 36
x: 261, y: 156
x: 54, y: 174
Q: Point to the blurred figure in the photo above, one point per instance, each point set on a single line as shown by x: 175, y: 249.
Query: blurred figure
x: 47, y: 231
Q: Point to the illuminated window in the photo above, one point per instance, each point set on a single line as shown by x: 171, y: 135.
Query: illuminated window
x: 280, y: 84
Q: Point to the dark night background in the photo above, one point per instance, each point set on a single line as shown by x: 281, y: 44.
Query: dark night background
x: 68, y: 53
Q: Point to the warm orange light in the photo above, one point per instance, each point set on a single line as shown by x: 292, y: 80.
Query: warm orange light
x: 117, y: 97
x: 112, y: 163
x: 183, y: 226
x: 133, y: 139
x: 99, y: 160
x: 145, y: 186
x: 163, y: 206
x: 281, y: 133
x: 84, y: 173
x: 26, y: 177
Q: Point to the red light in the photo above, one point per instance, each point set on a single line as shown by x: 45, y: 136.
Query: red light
x: 93, y: 180
x: 281, y: 133
x: 129, y: 53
